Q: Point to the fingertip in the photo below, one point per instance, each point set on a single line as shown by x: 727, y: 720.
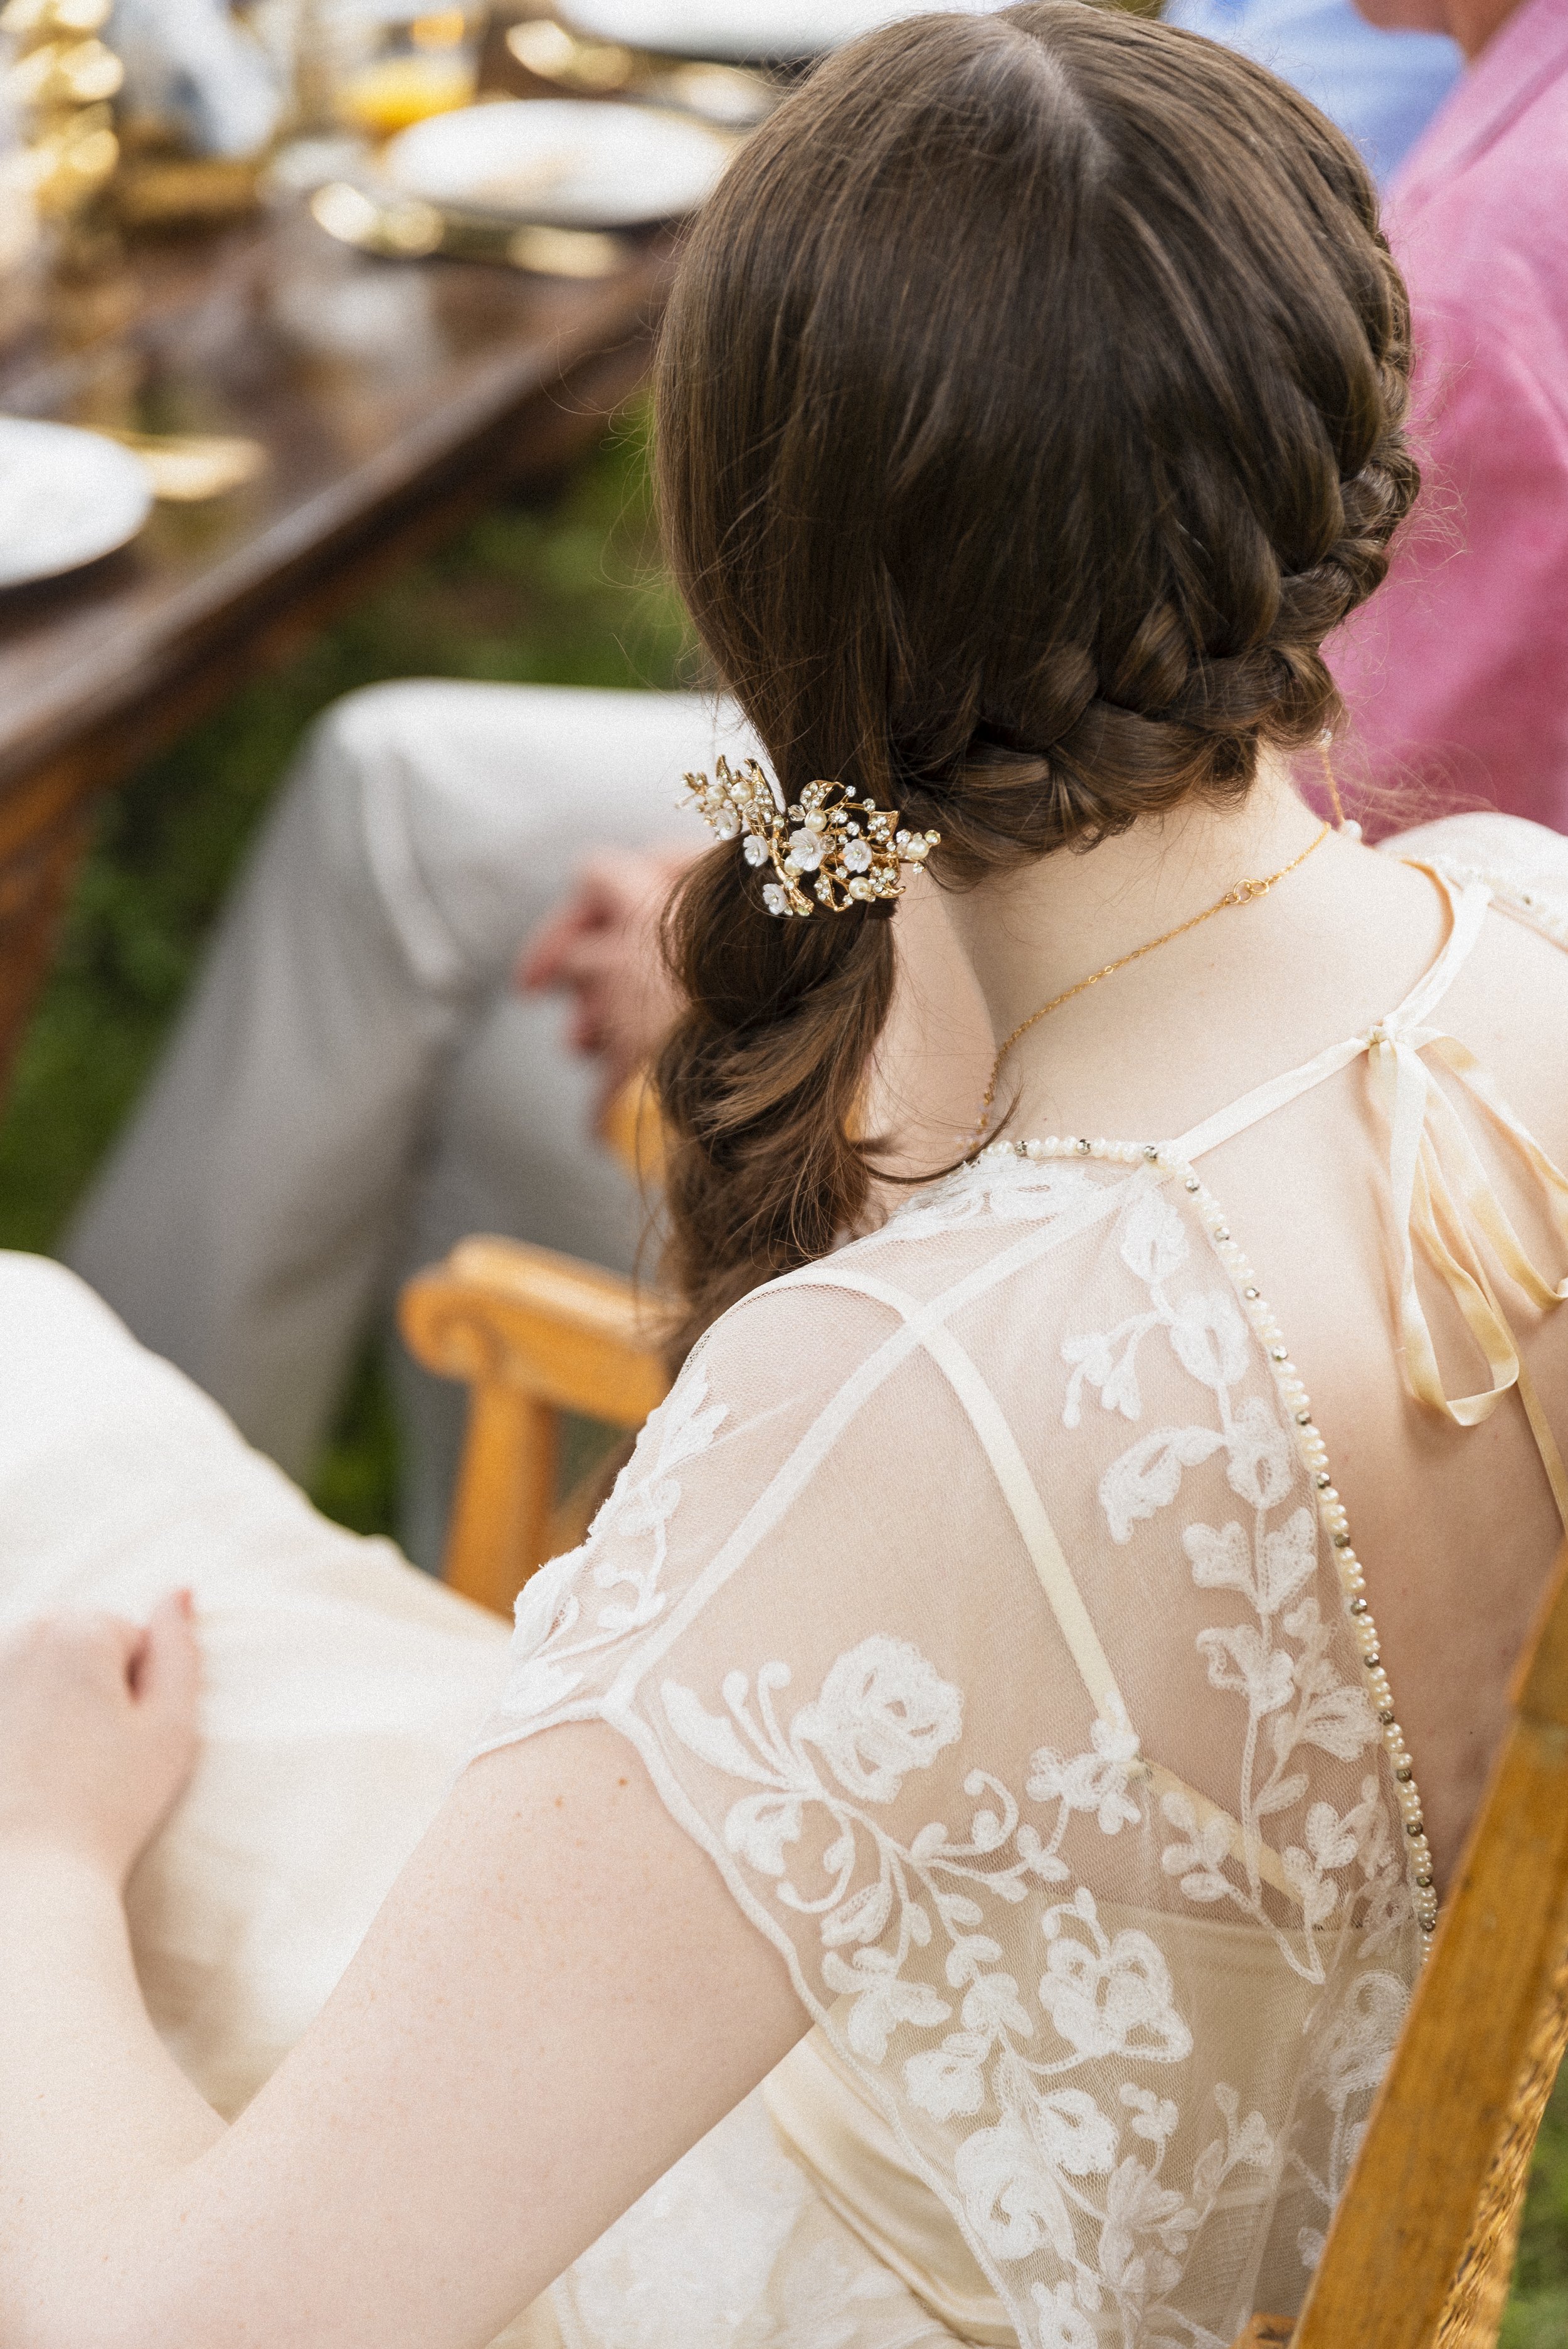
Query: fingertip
x: 173, y: 1631
x: 171, y: 1677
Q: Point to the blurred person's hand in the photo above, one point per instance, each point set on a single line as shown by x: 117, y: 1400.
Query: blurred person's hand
x: 98, y: 1732
x: 601, y: 947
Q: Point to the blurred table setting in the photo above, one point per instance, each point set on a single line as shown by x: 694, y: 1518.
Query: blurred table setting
x: 288, y: 289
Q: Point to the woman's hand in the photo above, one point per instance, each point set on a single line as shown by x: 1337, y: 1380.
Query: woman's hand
x: 98, y: 1732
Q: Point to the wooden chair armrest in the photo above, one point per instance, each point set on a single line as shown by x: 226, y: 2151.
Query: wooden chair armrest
x: 571, y: 1335
x: 532, y: 1334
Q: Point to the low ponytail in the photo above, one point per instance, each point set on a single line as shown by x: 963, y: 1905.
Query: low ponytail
x: 761, y: 1083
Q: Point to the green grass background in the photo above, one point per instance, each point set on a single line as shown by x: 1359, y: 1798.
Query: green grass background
x: 564, y: 593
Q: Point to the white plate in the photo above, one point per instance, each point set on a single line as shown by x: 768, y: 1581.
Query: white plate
x: 567, y: 162
x: 741, y: 29
x: 66, y: 498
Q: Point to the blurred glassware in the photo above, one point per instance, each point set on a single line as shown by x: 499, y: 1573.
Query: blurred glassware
x: 19, y: 237
x: 58, y: 78
x: 197, y: 79
x: 368, y: 68
x: 294, y: 33
x: 201, y: 104
x: 394, y: 65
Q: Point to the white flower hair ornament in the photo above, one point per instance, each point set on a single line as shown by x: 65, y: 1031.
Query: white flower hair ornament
x: 856, y: 850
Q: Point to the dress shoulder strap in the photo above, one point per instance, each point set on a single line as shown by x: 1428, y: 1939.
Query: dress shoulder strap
x: 1444, y: 1202
x: 1468, y: 902
x: 1469, y: 899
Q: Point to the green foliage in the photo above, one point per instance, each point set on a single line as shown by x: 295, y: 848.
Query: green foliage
x: 568, y: 592
x: 356, y: 1479
x: 1537, y: 2314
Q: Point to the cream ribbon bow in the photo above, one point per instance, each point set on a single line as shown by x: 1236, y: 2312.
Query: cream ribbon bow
x: 1441, y: 1197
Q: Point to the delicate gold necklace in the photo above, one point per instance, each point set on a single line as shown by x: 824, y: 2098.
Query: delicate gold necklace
x: 1241, y: 895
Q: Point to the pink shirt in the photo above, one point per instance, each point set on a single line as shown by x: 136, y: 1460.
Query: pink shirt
x: 1456, y: 674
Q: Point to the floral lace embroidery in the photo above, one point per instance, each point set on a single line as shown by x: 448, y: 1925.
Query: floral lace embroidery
x: 1207, y: 1336
x: 1347, y: 2055
x: 1293, y: 1689
x: 1027, y: 2178
x: 639, y: 1509
x: 1003, y: 1190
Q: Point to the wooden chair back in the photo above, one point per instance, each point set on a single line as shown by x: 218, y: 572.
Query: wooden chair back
x: 1420, y: 2251
x: 534, y: 1335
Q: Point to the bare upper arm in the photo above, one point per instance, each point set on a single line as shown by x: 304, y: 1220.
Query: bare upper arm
x: 559, y: 1997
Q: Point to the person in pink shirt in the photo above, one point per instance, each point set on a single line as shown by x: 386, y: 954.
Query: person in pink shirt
x: 1456, y: 675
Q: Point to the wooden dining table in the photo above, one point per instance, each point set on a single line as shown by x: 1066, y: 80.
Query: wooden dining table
x: 391, y: 400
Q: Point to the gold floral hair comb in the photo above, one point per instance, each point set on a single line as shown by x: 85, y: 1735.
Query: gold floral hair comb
x: 856, y: 850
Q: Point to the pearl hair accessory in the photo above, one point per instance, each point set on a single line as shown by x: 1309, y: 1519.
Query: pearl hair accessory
x: 856, y: 850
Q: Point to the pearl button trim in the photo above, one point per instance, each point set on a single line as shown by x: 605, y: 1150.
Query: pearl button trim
x: 1313, y: 1454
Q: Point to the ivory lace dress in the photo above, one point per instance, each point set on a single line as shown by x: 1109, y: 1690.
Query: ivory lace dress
x: 975, y: 1601
x: 981, y: 1602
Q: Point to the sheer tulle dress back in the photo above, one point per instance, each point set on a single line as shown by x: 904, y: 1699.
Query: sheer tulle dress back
x: 982, y: 1602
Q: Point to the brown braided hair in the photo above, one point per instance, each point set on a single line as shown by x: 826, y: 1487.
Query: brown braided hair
x: 1029, y: 410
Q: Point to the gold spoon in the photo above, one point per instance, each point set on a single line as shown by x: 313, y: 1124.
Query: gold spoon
x: 730, y: 97
x: 542, y: 47
x: 189, y: 468
x: 406, y: 228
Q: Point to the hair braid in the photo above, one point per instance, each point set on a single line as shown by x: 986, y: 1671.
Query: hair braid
x: 760, y: 1083
x: 1028, y: 535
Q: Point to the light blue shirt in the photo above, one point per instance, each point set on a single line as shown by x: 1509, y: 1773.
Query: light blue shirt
x: 1381, y: 88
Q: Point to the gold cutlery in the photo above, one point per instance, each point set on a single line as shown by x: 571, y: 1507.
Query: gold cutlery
x: 187, y: 468
x: 404, y: 228
x: 544, y: 47
x: 729, y: 96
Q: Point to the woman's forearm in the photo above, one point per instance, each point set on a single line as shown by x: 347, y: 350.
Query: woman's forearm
x: 95, y: 2116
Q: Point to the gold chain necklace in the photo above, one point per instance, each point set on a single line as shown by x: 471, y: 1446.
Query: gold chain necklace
x: 1241, y: 895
